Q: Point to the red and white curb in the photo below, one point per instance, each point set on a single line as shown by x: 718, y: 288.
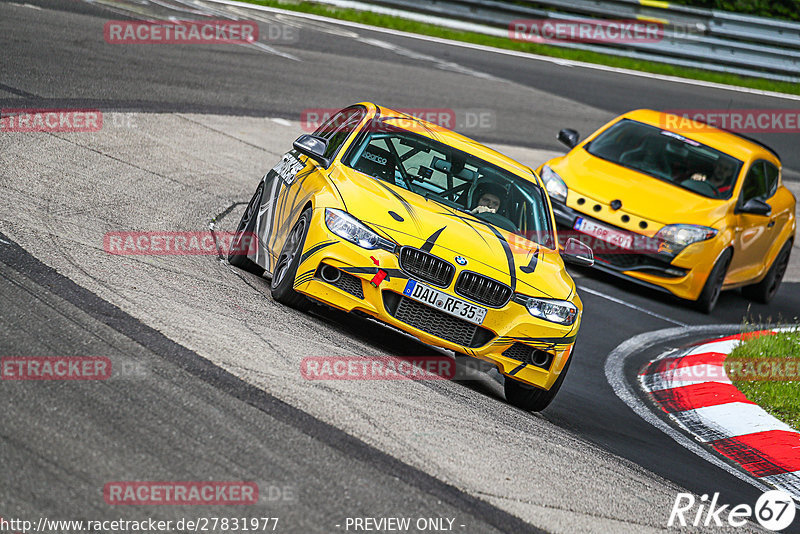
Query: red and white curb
x: 693, y: 388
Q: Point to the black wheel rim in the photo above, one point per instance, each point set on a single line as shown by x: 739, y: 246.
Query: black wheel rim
x: 780, y: 269
x: 289, y: 252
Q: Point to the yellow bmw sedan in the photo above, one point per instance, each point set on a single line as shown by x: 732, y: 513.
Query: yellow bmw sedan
x: 383, y: 214
x: 676, y: 205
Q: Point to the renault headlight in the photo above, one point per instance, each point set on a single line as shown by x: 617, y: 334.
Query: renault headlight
x: 555, y: 311
x: 351, y: 229
x: 554, y: 185
x: 680, y: 236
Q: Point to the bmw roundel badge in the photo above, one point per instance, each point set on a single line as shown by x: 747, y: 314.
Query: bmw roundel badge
x: 461, y: 260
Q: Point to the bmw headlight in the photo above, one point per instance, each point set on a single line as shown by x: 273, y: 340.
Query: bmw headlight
x: 555, y: 311
x: 351, y: 229
x: 680, y: 236
x: 554, y: 185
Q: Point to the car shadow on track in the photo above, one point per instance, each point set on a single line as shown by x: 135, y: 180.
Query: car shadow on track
x: 471, y: 373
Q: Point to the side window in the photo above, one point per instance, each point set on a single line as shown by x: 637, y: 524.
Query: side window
x: 338, y: 128
x: 772, y: 173
x: 755, y: 184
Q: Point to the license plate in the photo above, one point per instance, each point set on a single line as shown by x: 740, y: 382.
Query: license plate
x: 444, y: 302
x: 600, y: 231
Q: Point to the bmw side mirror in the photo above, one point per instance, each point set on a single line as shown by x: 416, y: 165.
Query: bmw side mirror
x: 569, y: 137
x: 756, y: 206
x: 578, y: 253
x: 313, y: 147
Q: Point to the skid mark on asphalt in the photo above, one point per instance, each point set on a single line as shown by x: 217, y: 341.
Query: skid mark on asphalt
x: 154, y: 9
x: 274, y: 51
x: 221, y: 132
x: 327, y: 27
x: 439, y: 63
x: 118, y: 160
x: 18, y: 92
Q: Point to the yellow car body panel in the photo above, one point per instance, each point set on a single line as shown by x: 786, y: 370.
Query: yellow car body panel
x: 489, y: 251
x: 649, y: 204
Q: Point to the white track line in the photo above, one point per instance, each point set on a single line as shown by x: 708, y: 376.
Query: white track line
x: 632, y: 306
x: 615, y: 374
x: 270, y: 50
x: 525, y: 55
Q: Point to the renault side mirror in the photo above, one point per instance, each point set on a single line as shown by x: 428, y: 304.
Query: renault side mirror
x: 756, y: 206
x: 569, y: 137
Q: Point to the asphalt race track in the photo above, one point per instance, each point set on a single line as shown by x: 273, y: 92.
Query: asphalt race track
x: 210, y: 387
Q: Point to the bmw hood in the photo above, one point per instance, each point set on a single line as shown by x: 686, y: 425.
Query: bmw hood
x: 465, y: 241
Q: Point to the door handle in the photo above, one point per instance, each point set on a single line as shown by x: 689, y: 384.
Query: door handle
x: 771, y: 223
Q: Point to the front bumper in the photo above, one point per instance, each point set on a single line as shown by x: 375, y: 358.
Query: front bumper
x: 508, y: 338
x: 683, y: 274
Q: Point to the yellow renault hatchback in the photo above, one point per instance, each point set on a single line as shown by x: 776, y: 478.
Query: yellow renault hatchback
x: 676, y: 205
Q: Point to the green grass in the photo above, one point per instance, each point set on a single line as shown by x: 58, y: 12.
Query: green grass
x: 401, y: 24
x: 785, y: 9
x: 779, y: 398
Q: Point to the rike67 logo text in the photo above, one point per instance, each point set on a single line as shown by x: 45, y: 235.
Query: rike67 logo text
x: 774, y: 510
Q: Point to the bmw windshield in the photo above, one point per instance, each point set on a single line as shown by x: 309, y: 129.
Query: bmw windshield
x: 453, y: 178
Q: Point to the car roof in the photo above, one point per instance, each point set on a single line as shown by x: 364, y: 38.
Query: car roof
x: 735, y: 144
x: 451, y: 138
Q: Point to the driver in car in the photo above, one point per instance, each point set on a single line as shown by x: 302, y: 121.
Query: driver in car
x: 489, y: 199
x: 720, y: 177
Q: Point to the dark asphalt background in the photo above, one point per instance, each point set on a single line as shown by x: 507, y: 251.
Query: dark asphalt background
x: 61, y: 65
